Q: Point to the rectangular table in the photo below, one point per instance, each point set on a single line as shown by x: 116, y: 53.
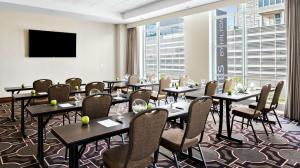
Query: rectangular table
x: 28, y: 96
x: 110, y: 84
x: 40, y: 111
x: 140, y: 85
x: 74, y: 135
x: 175, y: 92
x: 236, y: 97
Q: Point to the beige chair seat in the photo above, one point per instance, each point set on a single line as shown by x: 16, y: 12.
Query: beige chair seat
x: 156, y: 96
x: 243, y: 111
x: 253, y: 106
x: 116, y: 157
x: 172, y: 138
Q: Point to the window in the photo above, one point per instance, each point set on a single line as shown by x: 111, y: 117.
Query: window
x: 249, y: 45
x: 164, y: 49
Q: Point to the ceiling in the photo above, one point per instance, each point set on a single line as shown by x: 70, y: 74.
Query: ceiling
x: 112, y: 11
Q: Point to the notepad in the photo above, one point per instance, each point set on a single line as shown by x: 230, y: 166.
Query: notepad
x: 118, y: 98
x: 42, y: 93
x: 108, y: 123
x: 65, y: 105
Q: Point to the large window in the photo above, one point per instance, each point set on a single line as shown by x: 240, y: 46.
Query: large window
x: 250, y: 43
x: 164, y: 49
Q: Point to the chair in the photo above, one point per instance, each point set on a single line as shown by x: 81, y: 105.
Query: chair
x: 144, y: 137
x: 132, y: 79
x: 177, y: 140
x: 250, y: 114
x: 60, y: 93
x: 274, y: 104
x: 210, y: 90
x: 227, y: 85
x: 94, y: 85
x: 139, y: 94
x: 160, y: 95
x: 41, y: 85
x: 183, y: 80
x: 73, y: 82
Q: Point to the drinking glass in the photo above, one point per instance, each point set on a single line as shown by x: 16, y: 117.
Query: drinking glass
x: 118, y: 92
x: 203, y: 82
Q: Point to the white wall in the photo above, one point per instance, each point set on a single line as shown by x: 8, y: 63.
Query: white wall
x: 196, y: 41
x: 96, y: 50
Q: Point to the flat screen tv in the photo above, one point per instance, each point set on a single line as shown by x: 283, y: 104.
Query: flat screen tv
x: 51, y: 44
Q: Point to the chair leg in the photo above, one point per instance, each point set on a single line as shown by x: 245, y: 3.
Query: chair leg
x: 201, y: 154
x: 156, y: 153
x: 277, y: 118
x: 66, y: 153
x: 269, y: 123
x: 122, y: 137
x: 243, y: 123
x: 63, y: 119
x: 248, y: 123
x: 69, y: 118
x: 253, y: 130
x: 190, y: 152
x: 176, y: 160
x: 108, y: 143
x: 212, y: 114
x: 75, y: 116
x: 232, y: 119
x: 263, y: 123
x: 96, y: 144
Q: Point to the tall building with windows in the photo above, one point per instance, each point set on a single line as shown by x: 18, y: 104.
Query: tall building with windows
x: 255, y: 44
x: 164, y: 48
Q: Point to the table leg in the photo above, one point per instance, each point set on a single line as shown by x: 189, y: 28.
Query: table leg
x: 73, y: 157
x: 228, y: 118
x: 175, y: 97
x: 109, y: 88
x: 221, y: 119
x: 22, y: 118
x: 40, y: 145
x: 181, y: 124
x: 12, y: 111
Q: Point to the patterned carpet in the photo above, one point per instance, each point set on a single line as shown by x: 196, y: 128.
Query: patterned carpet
x: 281, y: 149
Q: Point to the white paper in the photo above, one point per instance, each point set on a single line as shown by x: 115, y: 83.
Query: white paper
x: 108, y: 123
x: 118, y: 98
x: 65, y: 105
x: 42, y: 93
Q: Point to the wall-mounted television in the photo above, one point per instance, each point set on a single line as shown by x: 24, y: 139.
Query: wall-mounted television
x: 51, y: 44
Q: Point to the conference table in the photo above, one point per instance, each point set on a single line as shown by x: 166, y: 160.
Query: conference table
x: 176, y: 91
x: 110, y: 84
x: 137, y: 86
x: 47, y: 110
x: 75, y: 135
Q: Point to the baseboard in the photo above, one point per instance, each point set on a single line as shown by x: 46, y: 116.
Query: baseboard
x: 5, y: 99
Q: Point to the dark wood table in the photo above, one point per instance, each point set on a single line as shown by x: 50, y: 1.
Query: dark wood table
x: 110, y: 84
x: 175, y: 92
x: 40, y: 111
x: 28, y: 96
x: 13, y: 90
x: 235, y: 97
x: 74, y: 135
x: 140, y: 85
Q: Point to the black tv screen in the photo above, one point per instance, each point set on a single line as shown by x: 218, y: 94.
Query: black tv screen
x: 51, y: 44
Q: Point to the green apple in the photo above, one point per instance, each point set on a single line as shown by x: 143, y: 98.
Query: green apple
x: 117, y: 78
x: 85, y: 120
x: 177, y: 85
x: 33, y: 92
x: 150, y: 106
x: 76, y: 87
x: 23, y: 86
x: 229, y: 92
x: 53, y: 102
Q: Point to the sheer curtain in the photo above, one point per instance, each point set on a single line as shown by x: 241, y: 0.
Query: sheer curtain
x: 292, y: 13
x: 132, y: 58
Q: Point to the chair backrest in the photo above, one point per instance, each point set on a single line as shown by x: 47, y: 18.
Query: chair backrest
x: 264, y: 93
x: 164, y: 83
x: 73, y: 82
x: 42, y: 85
x: 94, y: 85
x: 197, y: 117
x: 183, y: 79
x: 96, y: 106
x: 145, y: 132
x: 133, y: 79
x: 139, y: 94
x: 60, y: 93
x: 210, y: 88
x: 277, y: 93
x: 227, y: 85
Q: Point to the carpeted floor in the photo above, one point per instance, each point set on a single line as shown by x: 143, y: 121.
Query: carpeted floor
x: 281, y: 149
